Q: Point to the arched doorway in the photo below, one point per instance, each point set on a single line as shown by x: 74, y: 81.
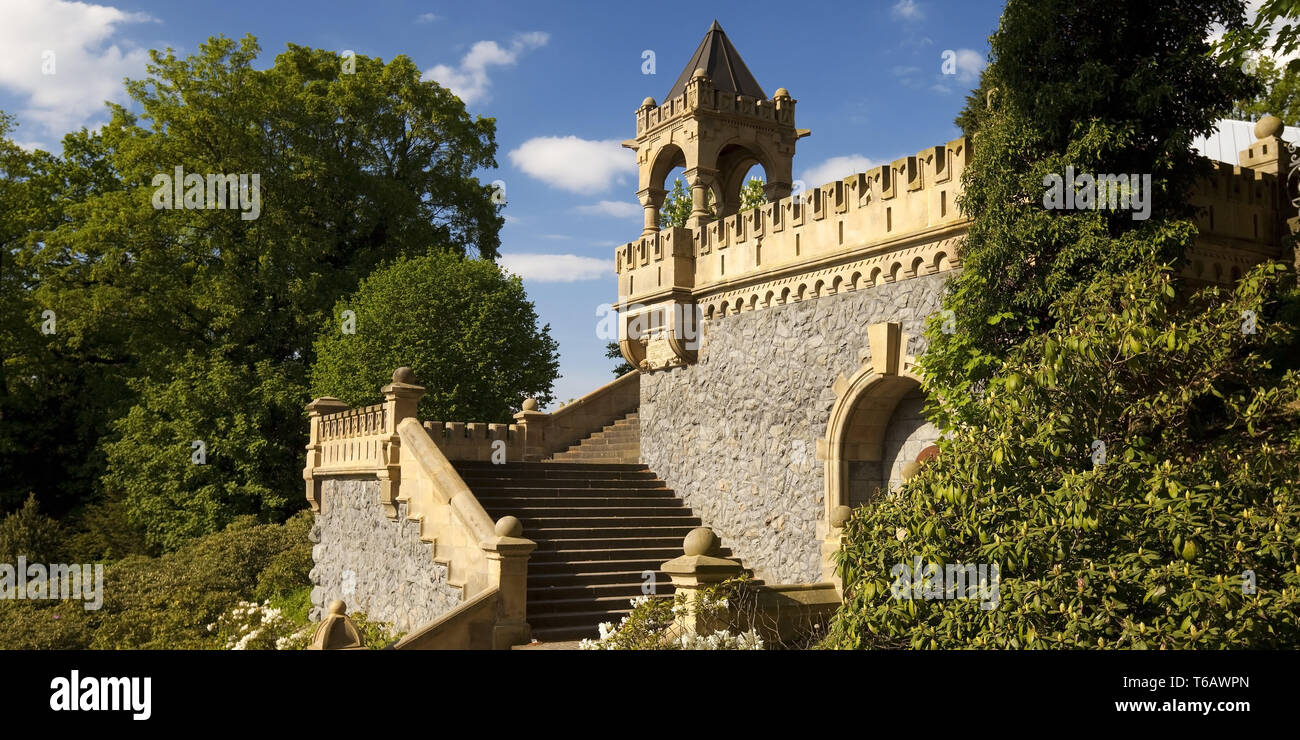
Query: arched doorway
x: 877, y: 425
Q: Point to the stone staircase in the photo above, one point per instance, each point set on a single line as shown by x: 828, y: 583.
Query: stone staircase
x: 619, y: 442
x: 598, y: 527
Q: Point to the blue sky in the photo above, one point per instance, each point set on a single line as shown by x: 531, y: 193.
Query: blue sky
x: 563, y: 82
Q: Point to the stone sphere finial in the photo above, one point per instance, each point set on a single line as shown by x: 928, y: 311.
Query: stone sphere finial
x: 404, y: 374
x: 1268, y: 126
x: 781, y: 92
x: 648, y: 103
x: 338, y: 608
x: 699, y: 72
x: 699, y: 541
x: 509, y: 526
x: 530, y: 404
x: 839, y: 515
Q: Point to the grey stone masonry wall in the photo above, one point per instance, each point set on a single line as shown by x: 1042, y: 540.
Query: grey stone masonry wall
x: 374, y: 564
x: 735, y: 435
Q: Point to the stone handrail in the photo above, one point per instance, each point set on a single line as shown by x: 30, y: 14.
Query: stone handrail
x: 386, y: 441
x: 546, y: 434
x: 468, y: 626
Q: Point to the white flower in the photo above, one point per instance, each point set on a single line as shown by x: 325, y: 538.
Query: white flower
x: 900, y: 534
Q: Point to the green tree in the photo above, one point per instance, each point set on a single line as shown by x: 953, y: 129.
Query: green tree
x: 1281, y: 98
x: 1134, y: 467
x: 613, y: 352
x: 212, y: 442
x: 467, y: 331
x: 31, y: 534
x: 1106, y: 87
x: 356, y: 166
x: 53, y: 399
x: 1275, y: 19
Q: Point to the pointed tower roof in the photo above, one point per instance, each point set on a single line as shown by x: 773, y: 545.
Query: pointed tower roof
x: 720, y: 60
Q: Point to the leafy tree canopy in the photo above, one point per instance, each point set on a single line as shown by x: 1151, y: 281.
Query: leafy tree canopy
x: 467, y: 331
x: 1106, y: 87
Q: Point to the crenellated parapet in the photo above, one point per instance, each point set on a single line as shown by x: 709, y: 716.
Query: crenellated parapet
x: 894, y: 222
x: 705, y: 98
x: 1242, y: 211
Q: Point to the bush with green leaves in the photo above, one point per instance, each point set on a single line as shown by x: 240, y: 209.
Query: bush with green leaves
x: 31, y: 534
x: 1183, y: 533
x: 465, y: 328
x: 238, y: 417
x: 167, y: 602
x: 1110, y: 86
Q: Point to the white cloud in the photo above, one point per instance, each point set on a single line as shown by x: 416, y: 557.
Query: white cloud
x: 573, y: 164
x: 908, y: 10
x: 469, y: 80
x: 969, y: 65
x: 836, y: 168
x: 556, y: 268
x: 426, y: 18
x: 89, y: 58
x: 612, y: 208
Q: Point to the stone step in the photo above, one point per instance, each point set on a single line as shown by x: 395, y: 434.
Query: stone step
x: 576, y: 568
x: 640, y: 525
x: 598, y: 451
x: 499, y: 505
x: 612, y: 457
x: 572, y: 578
x: 578, y: 591
x: 593, y: 480
x: 543, y: 608
x: 539, y: 514
x: 567, y: 554
x: 526, y: 491
x: 606, y: 536
x: 630, y: 438
x: 619, y: 557
x: 575, y: 625
x: 587, y: 451
x: 557, y: 470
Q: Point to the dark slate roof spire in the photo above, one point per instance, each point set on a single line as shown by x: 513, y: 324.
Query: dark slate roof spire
x: 720, y: 60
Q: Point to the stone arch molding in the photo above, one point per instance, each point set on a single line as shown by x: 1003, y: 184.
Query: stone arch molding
x: 864, y: 405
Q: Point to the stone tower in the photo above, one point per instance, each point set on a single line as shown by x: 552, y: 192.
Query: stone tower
x: 717, y: 123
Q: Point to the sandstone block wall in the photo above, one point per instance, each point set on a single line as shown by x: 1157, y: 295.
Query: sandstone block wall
x: 735, y: 435
x: 376, y: 565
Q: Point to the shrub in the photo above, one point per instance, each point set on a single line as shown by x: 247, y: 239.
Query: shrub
x: 651, y: 624
x: 168, y: 602
x: 30, y: 533
x: 1151, y: 545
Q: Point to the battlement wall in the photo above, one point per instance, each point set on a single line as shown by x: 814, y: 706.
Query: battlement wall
x: 884, y: 214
